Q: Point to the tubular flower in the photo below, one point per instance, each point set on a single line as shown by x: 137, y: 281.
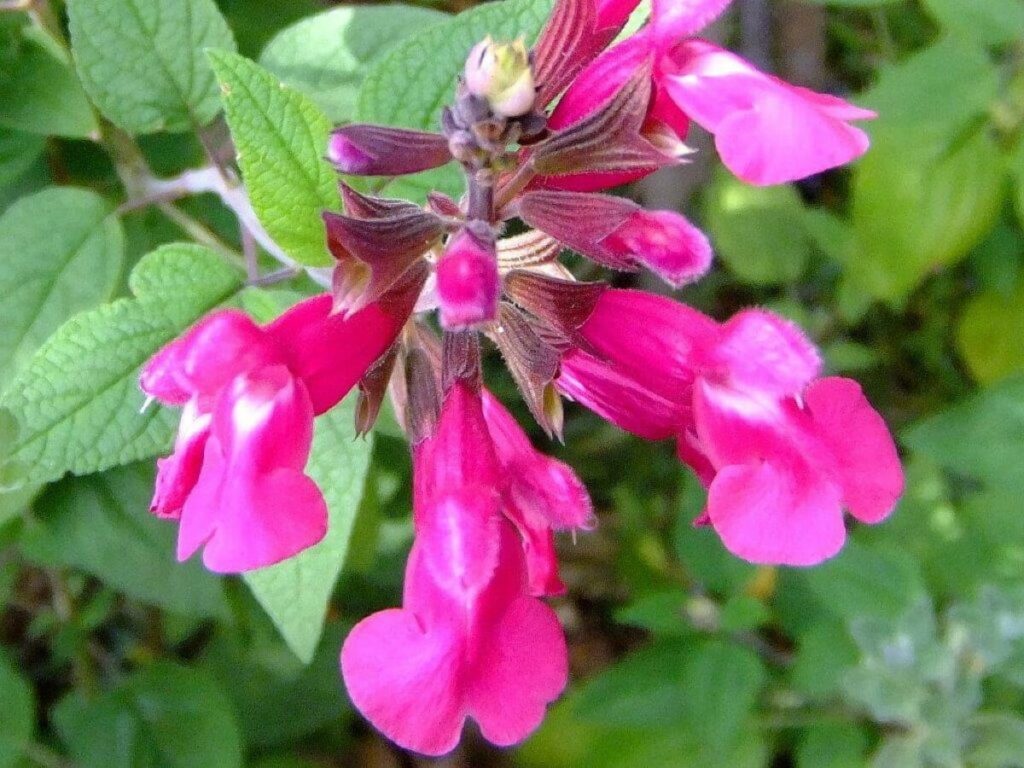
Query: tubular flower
x: 471, y: 640
x: 766, y: 130
x: 235, y: 481
x: 782, y: 451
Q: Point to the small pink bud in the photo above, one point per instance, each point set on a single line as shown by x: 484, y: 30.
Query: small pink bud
x: 468, y: 282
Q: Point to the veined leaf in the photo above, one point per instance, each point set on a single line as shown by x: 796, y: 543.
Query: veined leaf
x: 142, y: 61
x: 62, y: 252
x: 281, y: 139
x: 78, y: 399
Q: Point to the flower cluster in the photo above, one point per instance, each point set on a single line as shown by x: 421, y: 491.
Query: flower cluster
x: 539, y: 134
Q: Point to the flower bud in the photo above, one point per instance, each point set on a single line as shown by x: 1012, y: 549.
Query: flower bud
x: 501, y: 74
x: 467, y: 282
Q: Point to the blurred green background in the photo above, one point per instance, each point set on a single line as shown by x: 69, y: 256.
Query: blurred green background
x: 906, y: 650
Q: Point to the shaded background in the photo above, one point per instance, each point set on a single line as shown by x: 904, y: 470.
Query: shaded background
x: 906, y: 650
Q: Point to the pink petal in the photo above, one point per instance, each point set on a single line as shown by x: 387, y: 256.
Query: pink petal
x: 766, y: 131
x: 762, y: 352
x: 215, y: 350
x: 867, y: 464
x: 664, y: 242
x: 666, y: 356
x: 535, y: 481
x: 406, y: 679
x: 459, y: 454
x: 252, y: 505
x: 458, y: 533
x: 523, y: 668
x: 614, y: 13
x: 675, y: 19
x: 522, y: 663
x: 178, y: 473
x: 619, y: 398
x: 766, y: 515
x: 600, y: 81
x: 330, y: 353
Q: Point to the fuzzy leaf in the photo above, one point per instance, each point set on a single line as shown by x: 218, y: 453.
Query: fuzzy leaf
x: 51, y: 272
x: 326, y: 56
x: 168, y: 85
x: 78, y: 397
x: 281, y: 139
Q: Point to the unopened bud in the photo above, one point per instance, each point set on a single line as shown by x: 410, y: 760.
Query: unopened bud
x: 501, y: 74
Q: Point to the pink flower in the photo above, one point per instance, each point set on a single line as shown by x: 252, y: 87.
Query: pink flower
x: 766, y: 130
x: 470, y: 640
x: 468, y: 285
x: 789, y: 450
x: 782, y: 451
x: 235, y: 480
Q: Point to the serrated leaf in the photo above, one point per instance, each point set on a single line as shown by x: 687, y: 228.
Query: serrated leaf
x: 78, y: 399
x: 101, y: 524
x: 166, y: 716
x: 295, y: 593
x: 17, y: 703
x: 326, y: 56
x: 39, y: 90
x: 168, y: 85
x: 411, y: 84
x: 281, y: 139
x: 62, y: 251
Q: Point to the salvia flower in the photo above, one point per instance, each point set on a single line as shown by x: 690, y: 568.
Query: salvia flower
x: 784, y: 452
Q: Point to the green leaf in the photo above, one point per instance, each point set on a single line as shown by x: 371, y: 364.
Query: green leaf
x: 19, y: 151
x: 101, y: 524
x: 39, y: 90
x: 722, y: 681
x: 832, y: 745
x: 982, y: 436
x: 277, y: 699
x: 295, y: 593
x: 78, y: 397
x: 989, y: 22
x: 933, y: 95
x: 644, y: 690
x: 758, y: 231
x: 17, y: 703
x: 863, y: 580
x: 326, y: 56
x: 166, y: 716
x: 1017, y: 173
x: 990, y: 332
x: 853, y: 3
x: 411, y: 84
x: 997, y: 739
x: 913, y: 214
x: 281, y: 138
x: 62, y: 251
x: 169, y: 85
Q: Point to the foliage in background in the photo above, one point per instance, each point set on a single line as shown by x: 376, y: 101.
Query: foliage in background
x: 117, y: 231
